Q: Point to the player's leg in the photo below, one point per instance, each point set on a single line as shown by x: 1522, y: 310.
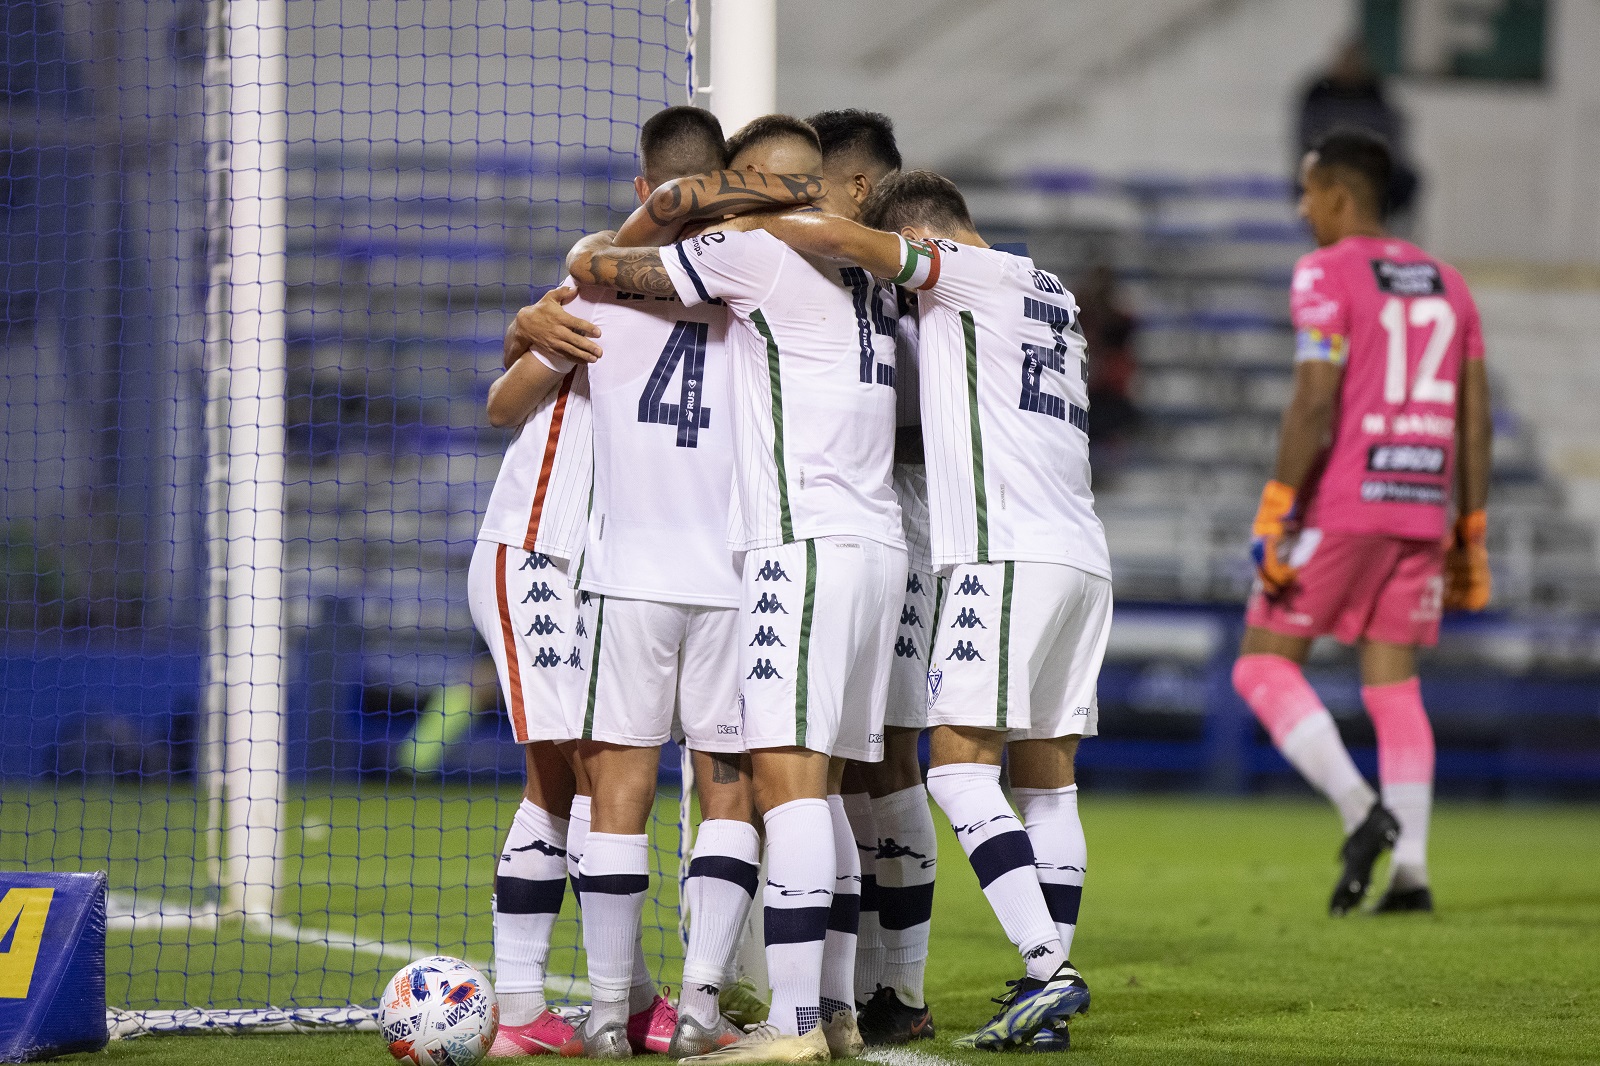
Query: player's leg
x: 632, y: 664
x: 724, y: 866
x: 869, y: 942
x: 530, y: 878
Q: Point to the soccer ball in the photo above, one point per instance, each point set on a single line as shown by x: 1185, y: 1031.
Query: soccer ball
x: 438, y: 1011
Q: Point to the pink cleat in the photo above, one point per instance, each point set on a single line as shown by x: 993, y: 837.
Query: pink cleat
x: 651, y: 1029
x: 542, y: 1036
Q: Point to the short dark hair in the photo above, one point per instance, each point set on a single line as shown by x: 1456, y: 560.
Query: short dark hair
x: 851, y: 130
x: 916, y: 198
x: 770, y: 128
x: 681, y: 141
x: 1361, y: 161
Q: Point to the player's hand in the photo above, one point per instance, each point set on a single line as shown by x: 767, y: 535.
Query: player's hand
x: 546, y: 327
x: 1467, y: 581
x: 1268, y: 537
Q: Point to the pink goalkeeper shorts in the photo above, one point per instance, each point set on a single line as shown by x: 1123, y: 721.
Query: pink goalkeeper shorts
x: 1358, y: 586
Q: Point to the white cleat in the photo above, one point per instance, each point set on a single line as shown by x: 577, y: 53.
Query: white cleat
x: 765, y: 1044
x: 843, y: 1035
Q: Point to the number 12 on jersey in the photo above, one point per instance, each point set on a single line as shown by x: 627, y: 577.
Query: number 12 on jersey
x: 1427, y: 311
x: 688, y: 346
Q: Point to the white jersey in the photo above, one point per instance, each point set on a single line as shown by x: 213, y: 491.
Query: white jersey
x: 812, y: 353
x: 910, y: 473
x: 540, y: 501
x: 663, y: 452
x: 1005, y: 414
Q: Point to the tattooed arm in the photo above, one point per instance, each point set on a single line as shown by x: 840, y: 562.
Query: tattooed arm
x: 596, y: 260
x: 712, y: 196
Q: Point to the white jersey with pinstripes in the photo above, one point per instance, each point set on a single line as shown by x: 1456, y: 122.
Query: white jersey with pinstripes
x: 910, y: 478
x: 540, y: 501
x: 1005, y: 414
x: 663, y: 452
x: 812, y: 355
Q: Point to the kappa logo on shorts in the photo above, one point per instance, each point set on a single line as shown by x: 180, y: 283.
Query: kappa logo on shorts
x: 574, y: 660
x: 541, y: 592
x: 967, y: 618
x: 771, y: 570
x: 535, y: 561
x: 971, y: 586
x: 763, y: 670
x: 548, y: 657
x: 910, y: 617
x: 580, y: 629
x: 906, y: 649
x: 769, y: 604
x: 766, y: 637
x: 543, y: 626
x: 1080, y: 712
x: 964, y: 652
x: 914, y: 583
x: 727, y: 730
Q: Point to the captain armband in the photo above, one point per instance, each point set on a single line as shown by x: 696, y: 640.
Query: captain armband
x: 1316, y: 346
x: 919, y: 264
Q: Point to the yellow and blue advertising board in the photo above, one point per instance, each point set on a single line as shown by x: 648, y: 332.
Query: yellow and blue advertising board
x: 52, y: 964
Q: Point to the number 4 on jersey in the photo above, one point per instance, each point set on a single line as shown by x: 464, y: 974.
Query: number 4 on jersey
x: 688, y: 346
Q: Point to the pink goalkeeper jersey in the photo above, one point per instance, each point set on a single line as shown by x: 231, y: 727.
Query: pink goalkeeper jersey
x: 1400, y: 323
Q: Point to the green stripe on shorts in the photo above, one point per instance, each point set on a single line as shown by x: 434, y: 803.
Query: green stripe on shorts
x: 802, y: 678
x: 1002, y: 703
x: 594, y: 669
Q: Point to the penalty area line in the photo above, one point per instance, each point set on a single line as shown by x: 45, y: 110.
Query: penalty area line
x: 895, y: 1056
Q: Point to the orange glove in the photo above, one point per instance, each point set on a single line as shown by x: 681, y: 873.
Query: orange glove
x: 1267, y: 538
x: 1467, y: 581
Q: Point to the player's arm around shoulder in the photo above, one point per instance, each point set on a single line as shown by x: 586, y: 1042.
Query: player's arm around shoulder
x: 719, y: 194
x: 517, y: 392
x: 597, y: 260
x: 813, y: 232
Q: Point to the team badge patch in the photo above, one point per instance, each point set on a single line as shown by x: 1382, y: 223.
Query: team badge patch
x: 935, y: 684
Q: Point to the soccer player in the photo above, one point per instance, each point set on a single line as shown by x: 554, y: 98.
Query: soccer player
x: 1026, y: 609
x: 824, y: 569
x: 659, y: 614
x: 886, y: 802
x: 1390, y: 413
x: 523, y: 606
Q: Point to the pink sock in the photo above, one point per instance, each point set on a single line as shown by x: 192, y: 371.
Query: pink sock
x: 1405, y: 739
x: 1276, y: 691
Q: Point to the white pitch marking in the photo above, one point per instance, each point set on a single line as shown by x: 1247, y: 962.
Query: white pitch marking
x: 892, y: 1056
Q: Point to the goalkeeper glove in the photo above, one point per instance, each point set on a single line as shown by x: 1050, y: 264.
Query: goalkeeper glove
x: 1268, y: 544
x: 1467, y: 580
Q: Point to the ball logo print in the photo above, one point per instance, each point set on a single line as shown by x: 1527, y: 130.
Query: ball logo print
x: 439, y: 1011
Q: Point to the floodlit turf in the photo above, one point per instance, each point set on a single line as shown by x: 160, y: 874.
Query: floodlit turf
x: 1205, y: 941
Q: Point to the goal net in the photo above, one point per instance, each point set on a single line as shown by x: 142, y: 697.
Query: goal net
x: 256, y: 260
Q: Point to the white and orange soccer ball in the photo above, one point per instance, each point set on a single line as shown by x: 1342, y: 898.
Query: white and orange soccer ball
x: 438, y: 1011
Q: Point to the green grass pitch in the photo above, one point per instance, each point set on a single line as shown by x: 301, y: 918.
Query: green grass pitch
x: 1204, y: 935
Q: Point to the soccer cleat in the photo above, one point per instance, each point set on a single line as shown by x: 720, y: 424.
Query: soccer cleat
x: 1361, y: 849
x: 885, y: 1020
x: 610, y: 1042
x: 742, y: 1004
x: 1053, y: 1037
x: 545, y: 1035
x: 650, y: 1030
x: 765, y: 1044
x: 1405, y: 900
x: 843, y: 1035
x: 1030, y: 1006
x: 690, y: 1038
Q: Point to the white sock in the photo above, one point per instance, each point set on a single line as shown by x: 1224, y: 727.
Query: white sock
x: 1002, y: 856
x: 1059, y: 852
x: 722, y: 882
x: 907, y: 860
x: 1315, y: 749
x: 615, y: 877
x: 643, y: 991
x: 869, y: 942
x: 1412, y: 805
x: 577, y: 836
x: 798, y: 899
x: 838, y: 989
x: 529, y: 884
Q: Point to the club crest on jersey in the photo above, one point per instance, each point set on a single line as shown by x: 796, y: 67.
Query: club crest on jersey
x: 964, y: 652
x: 766, y: 637
x: 771, y: 570
x: 905, y: 648
x: 769, y: 604
x: 935, y: 684
x: 763, y: 670
x: 541, y: 592
x: 967, y: 618
x: 543, y: 626
x: 971, y: 586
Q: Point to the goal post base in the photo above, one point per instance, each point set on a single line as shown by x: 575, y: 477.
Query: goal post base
x: 52, y: 964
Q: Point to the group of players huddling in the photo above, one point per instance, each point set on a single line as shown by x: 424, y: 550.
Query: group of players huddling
x: 863, y: 512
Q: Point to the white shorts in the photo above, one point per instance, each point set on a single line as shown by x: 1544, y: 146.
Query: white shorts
x: 1019, y: 647
x: 523, y: 607
x: 908, y: 672
x: 816, y: 635
x: 657, y: 671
